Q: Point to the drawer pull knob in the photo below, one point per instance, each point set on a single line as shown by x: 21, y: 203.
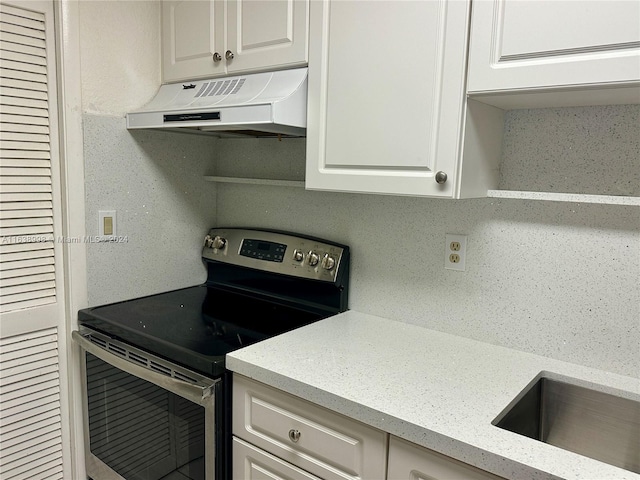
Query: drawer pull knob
x: 294, y: 435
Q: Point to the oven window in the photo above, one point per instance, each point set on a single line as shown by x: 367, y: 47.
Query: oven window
x: 140, y: 430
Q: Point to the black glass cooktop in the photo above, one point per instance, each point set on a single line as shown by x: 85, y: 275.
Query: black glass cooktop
x: 196, y: 326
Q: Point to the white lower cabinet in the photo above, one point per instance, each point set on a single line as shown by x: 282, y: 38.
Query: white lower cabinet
x: 252, y: 463
x: 292, y: 438
x: 408, y: 461
x: 279, y: 436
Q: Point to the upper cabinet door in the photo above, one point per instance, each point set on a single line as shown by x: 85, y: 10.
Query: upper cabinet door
x: 211, y: 38
x: 386, y: 95
x: 192, y: 33
x: 527, y: 45
x: 265, y: 34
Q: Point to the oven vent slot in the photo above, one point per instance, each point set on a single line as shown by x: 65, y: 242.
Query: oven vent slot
x: 117, y: 350
x: 98, y: 341
x: 144, y: 359
x: 160, y: 368
x: 139, y: 359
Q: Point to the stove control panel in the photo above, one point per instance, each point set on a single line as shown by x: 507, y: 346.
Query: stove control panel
x: 275, y: 252
x: 261, y: 250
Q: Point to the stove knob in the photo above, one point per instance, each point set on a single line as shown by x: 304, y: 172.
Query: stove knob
x: 298, y: 255
x: 208, y: 241
x: 219, y: 242
x: 313, y: 258
x: 328, y: 262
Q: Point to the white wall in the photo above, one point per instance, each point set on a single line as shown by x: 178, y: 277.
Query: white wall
x: 556, y: 279
x: 120, y: 54
x: 152, y: 180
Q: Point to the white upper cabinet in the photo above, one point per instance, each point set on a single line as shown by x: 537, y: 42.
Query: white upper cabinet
x: 525, y: 45
x: 265, y: 34
x: 192, y: 32
x: 208, y: 38
x: 387, y: 109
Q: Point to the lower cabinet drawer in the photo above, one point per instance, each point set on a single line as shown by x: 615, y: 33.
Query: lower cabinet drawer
x: 251, y: 463
x: 408, y: 461
x: 313, y: 438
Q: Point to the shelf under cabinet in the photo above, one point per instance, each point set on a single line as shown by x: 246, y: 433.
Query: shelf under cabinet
x: 256, y: 181
x: 565, y: 197
x: 510, y: 194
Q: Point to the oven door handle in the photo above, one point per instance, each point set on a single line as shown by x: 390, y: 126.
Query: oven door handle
x: 196, y: 392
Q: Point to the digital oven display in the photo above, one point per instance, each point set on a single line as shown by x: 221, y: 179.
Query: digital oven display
x: 261, y: 250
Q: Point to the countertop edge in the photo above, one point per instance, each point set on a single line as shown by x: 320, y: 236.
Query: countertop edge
x: 243, y: 363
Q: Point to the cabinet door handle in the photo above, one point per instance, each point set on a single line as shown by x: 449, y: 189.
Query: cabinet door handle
x: 441, y: 177
x: 294, y: 435
x: 217, y: 57
x: 228, y: 55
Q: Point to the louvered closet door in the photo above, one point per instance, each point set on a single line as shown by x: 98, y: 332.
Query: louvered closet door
x: 26, y: 150
x: 31, y: 296
x: 30, y: 416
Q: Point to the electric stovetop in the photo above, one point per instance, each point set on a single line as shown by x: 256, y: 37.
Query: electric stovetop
x: 259, y: 284
x: 195, y: 326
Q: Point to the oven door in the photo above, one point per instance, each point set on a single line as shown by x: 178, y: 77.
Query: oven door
x: 146, y: 418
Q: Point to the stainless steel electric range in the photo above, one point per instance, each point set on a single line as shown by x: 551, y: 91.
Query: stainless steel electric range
x: 156, y: 389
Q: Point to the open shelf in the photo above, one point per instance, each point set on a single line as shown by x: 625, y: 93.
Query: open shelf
x: 565, y: 197
x: 512, y: 194
x: 256, y: 181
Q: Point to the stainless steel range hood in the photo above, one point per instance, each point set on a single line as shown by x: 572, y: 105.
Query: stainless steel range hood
x: 259, y: 104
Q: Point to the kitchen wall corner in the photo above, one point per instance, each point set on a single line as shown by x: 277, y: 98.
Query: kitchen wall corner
x: 153, y: 180
x: 164, y: 207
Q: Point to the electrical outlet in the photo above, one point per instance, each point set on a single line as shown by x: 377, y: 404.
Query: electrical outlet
x: 455, y: 252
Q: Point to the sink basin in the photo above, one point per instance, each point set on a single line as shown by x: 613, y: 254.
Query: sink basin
x: 598, y: 425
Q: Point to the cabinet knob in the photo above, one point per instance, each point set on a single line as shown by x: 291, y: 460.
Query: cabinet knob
x: 228, y: 55
x: 441, y: 177
x: 294, y: 435
x: 217, y: 57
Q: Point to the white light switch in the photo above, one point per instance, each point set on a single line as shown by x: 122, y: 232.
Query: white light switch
x: 107, y: 223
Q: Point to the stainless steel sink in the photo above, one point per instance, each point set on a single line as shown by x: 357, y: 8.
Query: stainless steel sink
x: 592, y: 423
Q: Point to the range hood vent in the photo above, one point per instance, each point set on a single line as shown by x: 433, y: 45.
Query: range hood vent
x: 256, y: 105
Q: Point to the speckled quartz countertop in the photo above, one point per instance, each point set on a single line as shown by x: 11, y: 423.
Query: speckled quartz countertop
x: 434, y: 389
